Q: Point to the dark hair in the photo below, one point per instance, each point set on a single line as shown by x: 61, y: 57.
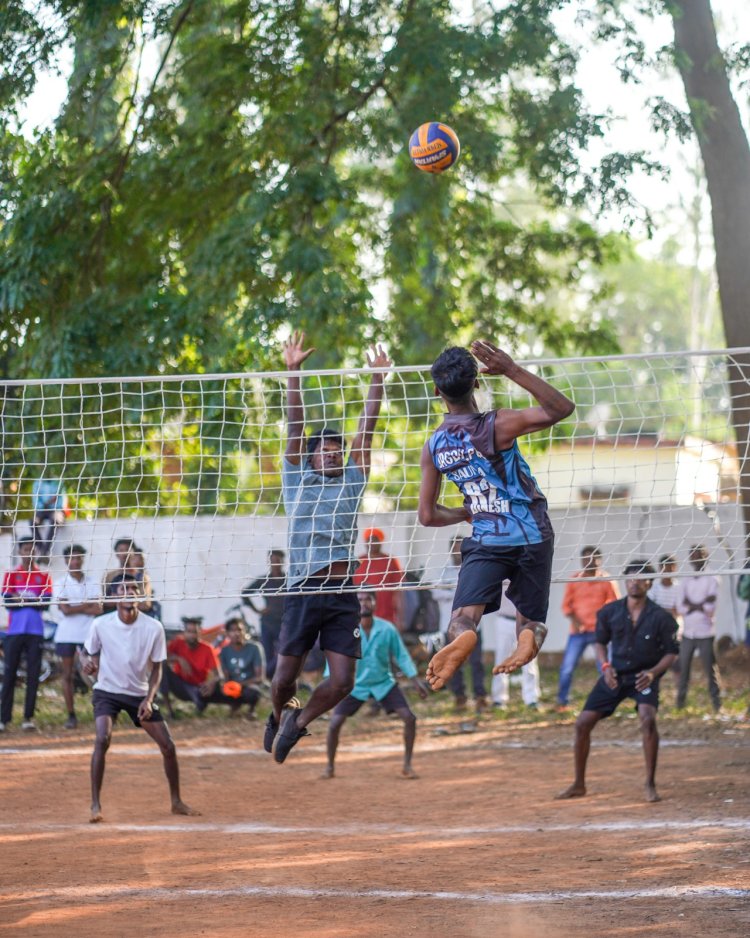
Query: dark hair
x: 368, y: 592
x: 123, y: 578
x: 234, y: 620
x: 455, y: 373
x: 327, y: 433
x: 667, y: 558
x: 73, y: 549
x: 276, y: 553
x: 26, y: 539
x: 591, y: 550
x: 639, y: 566
x: 128, y: 541
x: 698, y: 548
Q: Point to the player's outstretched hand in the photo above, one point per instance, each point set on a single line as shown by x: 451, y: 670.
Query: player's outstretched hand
x: 294, y: 350
x: 494, y: 360
x: 377, y: 357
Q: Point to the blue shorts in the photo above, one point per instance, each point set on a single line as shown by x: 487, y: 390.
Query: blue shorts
x: 393, y: 700
x: 332, y: 616
x: 484, y: 567
x: 67, y: 649
x: 605, y: 701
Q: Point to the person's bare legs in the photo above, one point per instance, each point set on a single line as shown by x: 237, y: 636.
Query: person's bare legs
x: 647, y: 716
x: 332, y: 743
x: 160, y: 734
x: 530, y: 638
x: 584, y: 725
x: 103, y: 726
x: 462, y: 638
x: 66, y: 679
x: 284, y: 682
x: 333, y: 689
x: 410, y: 734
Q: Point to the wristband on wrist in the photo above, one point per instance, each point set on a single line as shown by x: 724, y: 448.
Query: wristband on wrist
x: 605, y: 665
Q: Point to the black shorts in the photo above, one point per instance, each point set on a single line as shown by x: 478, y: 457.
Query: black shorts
x: 67, y: 649
x: 393, y: 700
x: 110, y: 705
x: 484, y: 567
x: 605, y: 701
x: 332, y: 616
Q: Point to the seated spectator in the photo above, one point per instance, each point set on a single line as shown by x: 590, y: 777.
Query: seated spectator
x: 192, y: 671
x: 49, y: 512
x: 242, y: 664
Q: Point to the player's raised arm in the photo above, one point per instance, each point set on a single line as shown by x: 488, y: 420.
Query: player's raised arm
x: 431, y: 513
x: 362, y: 442
x: 295, y: 354
x: 553, y: 405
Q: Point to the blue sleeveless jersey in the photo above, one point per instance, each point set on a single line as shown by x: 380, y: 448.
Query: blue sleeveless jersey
x: 507, y: 508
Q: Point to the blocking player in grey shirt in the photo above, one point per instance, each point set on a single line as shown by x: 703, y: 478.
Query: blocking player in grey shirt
x: 125, y: 649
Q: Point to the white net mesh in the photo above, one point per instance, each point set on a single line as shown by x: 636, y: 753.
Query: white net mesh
x: 189, y: 467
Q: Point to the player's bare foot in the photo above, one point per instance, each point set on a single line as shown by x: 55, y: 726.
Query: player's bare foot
x: 96, y: 816
x: 652, y: 794
x: 179, y: 807
x: 526, y: 650
x: 572, y: 791
x: 408, y: 772
x: 328, y: 772
x: 449, y: 659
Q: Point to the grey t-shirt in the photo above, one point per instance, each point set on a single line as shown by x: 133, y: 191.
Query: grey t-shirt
x: 321, y: 516
x: 127, y: 652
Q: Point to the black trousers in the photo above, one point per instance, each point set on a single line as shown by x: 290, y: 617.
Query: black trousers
x: 172, y: 683
x: 14, y: 647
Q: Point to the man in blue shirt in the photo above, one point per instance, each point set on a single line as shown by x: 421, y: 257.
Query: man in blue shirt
x: 381, y: 643
x: 512, y: 537
x: 322, y: 492
x: 644, y: 646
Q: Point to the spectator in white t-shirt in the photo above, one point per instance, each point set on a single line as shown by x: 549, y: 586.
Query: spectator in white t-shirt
x: 77, y: 598
x: 125, y: 649
x: 697, y: 603
x: 665, y: 592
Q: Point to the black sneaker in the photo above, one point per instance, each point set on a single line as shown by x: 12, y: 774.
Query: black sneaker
x: 272, y: 728
x: 289, y: 736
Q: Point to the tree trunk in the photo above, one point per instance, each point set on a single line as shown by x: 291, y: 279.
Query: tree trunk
x: 726, y: 159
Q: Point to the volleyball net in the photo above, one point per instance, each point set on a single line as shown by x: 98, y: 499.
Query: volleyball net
x: 189, y: 467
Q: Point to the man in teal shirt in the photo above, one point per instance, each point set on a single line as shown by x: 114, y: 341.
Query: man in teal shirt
x: 381, y: 644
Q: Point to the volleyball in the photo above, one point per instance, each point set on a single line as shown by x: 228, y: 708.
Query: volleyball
x: 434, y: 147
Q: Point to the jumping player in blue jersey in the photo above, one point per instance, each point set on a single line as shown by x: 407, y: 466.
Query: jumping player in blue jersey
x: 512, y: 536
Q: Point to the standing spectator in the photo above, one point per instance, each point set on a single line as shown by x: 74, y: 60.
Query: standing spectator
x: 26, y: 592
x: 643, y: 646
x: 378, y: 571
x: 381, y: 643
x: 77, y: 598
x: 242, y: 665
x: 135, y: 565
x: 125, y: 649
x: 263, y: 597
x: 583, y: 598
x: 191, y: 671
x: 504, y: 622
x: 49, y: 512
x: 457, y: 684
x: 697, y: 603
x: 123, y: 547
x: 743, y: 592
x: 665, y: 592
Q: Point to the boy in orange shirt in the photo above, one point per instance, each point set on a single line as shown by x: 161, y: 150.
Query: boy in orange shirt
x: 582, y: 600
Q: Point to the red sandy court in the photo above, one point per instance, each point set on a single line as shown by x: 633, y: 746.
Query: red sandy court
x: 475, y: 847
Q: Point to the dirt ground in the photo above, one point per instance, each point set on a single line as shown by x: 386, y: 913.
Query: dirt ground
x: 475, y: 846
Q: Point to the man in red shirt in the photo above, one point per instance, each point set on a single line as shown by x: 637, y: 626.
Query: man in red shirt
x: 582, y: 600
x: 192, y: 671
x: 26, y: 592
x: 378, y: 571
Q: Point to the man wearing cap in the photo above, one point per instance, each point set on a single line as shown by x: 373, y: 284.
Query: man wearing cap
x: 27, y: 591
x: 322, y: 491
x: 242, y: 666
x: 77, y: 598
x: 380, y: 572
x: 192, y: 671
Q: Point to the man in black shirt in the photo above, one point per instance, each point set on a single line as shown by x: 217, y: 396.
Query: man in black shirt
x: 262, y: 597
x: 644, y: 646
